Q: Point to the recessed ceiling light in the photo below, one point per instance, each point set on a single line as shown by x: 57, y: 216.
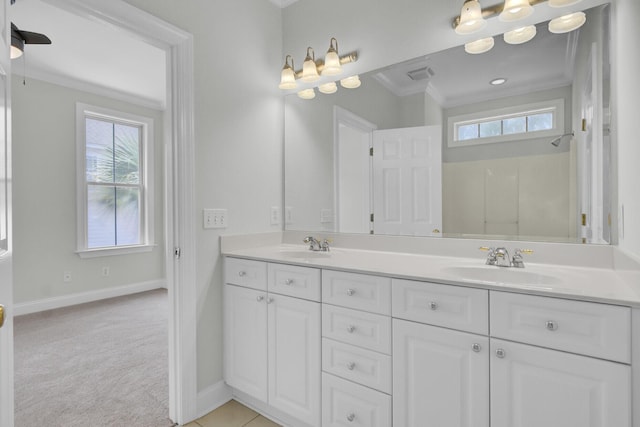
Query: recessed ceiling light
x: 499, y: 81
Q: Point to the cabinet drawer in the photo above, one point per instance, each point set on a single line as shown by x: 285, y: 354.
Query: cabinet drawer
x: 592, y: 329
x: 246, y: 272
x: 301, y: 282
x: 372, y: 331
x: 365, y: 367
x: 345, y: 404
x: 453, y: 307
x: 359, y: 291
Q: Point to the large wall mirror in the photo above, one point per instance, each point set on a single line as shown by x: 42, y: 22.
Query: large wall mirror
x: 512, y: 144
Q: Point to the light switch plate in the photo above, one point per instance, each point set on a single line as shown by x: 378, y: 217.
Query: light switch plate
x: 214, y: 218
x: 275, y: 215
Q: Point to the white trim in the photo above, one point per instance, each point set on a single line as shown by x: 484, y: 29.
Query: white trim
x: 121, y: 250
x: 213, y: 397
x: 147, y: 186
x: 555, y: 105
x: 84, y: 297
x: 180, y: 210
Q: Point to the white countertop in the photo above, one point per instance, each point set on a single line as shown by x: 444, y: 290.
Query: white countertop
x: 583, y: 283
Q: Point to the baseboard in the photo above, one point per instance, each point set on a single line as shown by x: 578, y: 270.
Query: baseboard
x: 83, y: 297
x: 212, y: 398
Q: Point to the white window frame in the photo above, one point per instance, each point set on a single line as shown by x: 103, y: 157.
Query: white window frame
x: 147, y: 227
x: 556, y: 106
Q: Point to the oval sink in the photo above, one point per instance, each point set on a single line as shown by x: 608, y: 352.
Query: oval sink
x: 304, y: 254
x: 516, y: 276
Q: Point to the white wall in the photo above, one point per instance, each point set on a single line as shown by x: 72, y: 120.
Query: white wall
x: 238, y: 132
x: 44, y: 207
x: 625, y: 100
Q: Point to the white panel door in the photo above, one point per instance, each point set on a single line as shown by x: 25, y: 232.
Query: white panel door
x: 294, y: 357
x: 245, y: 340
x: 534, y: 387
x: 6, y: 279
x: 440, y: 377
x: 407, y: 181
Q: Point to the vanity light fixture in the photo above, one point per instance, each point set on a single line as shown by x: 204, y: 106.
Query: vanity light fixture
x: 515, y: 10
x: 563, y: 3
x: 328, y: 88
x: 332, y: 66
x: 471, y: 19
x: 566, y: 23
x: 351, y: 82
x: 288, y: 75
x: 309, y: 68
x: 307, y: 93
x: 498, y: 81
x: 479, y: 46
x: 520, y: 35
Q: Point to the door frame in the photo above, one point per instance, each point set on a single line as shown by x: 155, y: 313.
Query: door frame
x: 179, y: 178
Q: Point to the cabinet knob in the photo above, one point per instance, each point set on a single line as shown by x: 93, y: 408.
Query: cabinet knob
x: 351, y: 329
x: 260, y: 298
x: 242, y: 273
x: 288, y: 282
x: 433, y: 305
x: 350, y: 292
x: 501, y: 353
x: 551, y: 325
x: 476, y: 347
x: 351, y: 366
x: 351, y: 417
x: 269, y: 300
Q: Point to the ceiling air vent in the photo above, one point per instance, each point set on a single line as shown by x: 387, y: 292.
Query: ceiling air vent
x: 421, y: 73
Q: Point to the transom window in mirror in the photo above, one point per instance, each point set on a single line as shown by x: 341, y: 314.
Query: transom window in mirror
x: 507, y: 124
x: 114, y: 181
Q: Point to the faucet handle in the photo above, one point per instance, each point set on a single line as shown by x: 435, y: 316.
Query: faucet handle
x: 491, y: 254
x: 517, y: 260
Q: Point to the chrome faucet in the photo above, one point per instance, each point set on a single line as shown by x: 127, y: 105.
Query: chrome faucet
x: 500, y: 257
x: 315, y: 245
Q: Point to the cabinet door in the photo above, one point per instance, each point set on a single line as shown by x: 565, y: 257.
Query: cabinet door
x: 245, y: 340
x: 440, y: 377
x: 533, y: 387
x: 294, y: 357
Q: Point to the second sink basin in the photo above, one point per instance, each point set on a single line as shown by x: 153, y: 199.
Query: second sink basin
x: 511, y: 275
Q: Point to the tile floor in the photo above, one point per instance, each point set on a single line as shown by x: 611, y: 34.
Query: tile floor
x: 233, y: 414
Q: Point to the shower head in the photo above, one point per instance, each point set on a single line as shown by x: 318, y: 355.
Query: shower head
x: 556, y: 141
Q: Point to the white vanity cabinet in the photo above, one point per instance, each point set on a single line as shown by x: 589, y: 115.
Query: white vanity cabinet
x: 272, y: 340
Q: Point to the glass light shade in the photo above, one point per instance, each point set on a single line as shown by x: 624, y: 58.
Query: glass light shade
x: 562, y: 3
x: 514, y: 10
x: 288, y: 79
x: 351, y: 82
x: 479, y: 46
x: 307, y: 94
x: 471, y: 19
x: 328, y: 88
x: 332, y: 65
x: 567, y: 23
x: 15, y: 52
x: 309, y: 69
x: 520, y: 35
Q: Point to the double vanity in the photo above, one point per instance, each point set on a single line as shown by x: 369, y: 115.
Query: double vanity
x: 355, y: 337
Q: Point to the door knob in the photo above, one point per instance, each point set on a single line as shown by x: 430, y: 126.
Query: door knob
x: 1, y: 315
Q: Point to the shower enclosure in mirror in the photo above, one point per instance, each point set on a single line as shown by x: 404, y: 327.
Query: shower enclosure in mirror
x: 510, y: 144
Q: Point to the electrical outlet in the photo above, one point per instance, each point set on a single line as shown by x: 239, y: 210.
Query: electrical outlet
x: 326, y: 216
x: 66, y: 276
x: 275, y: 215
x: 214, y: 218
x: 105, y: 271
x: 288, y: 215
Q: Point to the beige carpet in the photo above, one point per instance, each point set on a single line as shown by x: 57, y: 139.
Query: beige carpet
x: 96, y: 364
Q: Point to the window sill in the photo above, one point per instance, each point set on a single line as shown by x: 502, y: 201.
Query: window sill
x: 124, y: 250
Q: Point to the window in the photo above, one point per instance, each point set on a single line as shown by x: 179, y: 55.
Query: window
x: 530, y: 121
x: 115, y: 176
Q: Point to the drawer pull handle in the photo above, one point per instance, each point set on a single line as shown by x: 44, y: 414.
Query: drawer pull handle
x: 501, y: 353
x: 351, y: 366
x: 551, y: 325
x: 260, y: 298
x: 288, y: 282
x: 476, y: 347
x: 433, y: 305
x: 351, y: 329
x: 351, y: 417
x: 242, y: 273
x: 351, y: 292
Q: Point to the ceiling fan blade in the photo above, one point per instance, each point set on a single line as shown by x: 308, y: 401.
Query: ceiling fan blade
x: 34, y: 38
